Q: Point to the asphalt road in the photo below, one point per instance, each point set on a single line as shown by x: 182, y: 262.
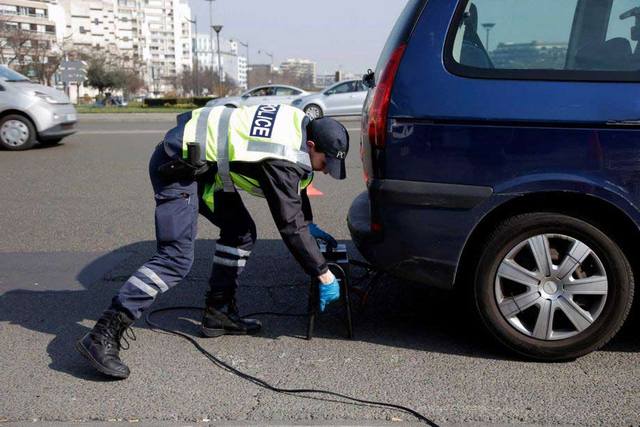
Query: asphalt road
x: 77, y: 220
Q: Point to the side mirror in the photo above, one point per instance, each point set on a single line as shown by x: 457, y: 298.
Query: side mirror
x: 369, y: 79
x: 245, y: 96
x: 327, y: 93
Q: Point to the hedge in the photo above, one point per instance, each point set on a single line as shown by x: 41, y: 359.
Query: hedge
x: 198, y: 101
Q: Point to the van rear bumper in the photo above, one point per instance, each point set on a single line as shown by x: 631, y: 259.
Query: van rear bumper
x: 420, y: 234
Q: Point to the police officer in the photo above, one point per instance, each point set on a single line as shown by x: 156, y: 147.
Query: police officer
x: 267, y: 150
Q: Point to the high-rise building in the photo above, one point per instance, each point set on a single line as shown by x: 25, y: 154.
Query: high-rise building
x: 22, y: 24
x: 152, y: 36
x: 302, y: 70
x: 233, y: 65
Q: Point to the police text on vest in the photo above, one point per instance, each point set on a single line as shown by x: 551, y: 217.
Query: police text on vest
x: 264, y: 120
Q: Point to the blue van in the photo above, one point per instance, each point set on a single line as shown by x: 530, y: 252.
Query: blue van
x: 501, y: 153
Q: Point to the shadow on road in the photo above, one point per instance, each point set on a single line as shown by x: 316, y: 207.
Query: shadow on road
x: 398, y: 314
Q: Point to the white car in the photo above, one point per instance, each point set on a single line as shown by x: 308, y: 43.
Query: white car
x: 270, y: 94
x: 344, y: 98
x: 31, y: 112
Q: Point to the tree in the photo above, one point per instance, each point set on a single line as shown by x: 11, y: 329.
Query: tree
x: 133, y: 84
x: 107, y: 72
x: 45, y: 60
x: 17, y: 42
x: 206, y: 78
x: 99, y: 75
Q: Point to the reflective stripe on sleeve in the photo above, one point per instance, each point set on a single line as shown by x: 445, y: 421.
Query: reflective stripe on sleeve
x: 154, y: 278
x: 142, y: 286
x: 233, y: 251
x: 295, y: 156
x: 223, y: 151
x: 201, y: 131
x: 229, y: 262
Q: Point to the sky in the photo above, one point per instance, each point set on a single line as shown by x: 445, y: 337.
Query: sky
x: 345, y: 35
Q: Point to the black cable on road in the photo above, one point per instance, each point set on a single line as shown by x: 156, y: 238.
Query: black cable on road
x: 261, y: 383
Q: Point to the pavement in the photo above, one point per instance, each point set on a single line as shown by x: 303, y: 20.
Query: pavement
x: 77, y: 220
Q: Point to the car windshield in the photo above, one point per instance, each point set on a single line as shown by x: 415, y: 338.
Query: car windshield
x: 11, y: 76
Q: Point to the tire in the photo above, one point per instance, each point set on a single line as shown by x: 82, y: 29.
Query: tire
x: 574, y: 309
x: 313, y: 111
x: 50, y: 142
x: 17, y: 133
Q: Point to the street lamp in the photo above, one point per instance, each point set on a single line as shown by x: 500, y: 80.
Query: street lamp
x: 217, y: 29
x: 270, y: 55
x: 211, y: 35
x: 488, y: 26
x: 195, y: 52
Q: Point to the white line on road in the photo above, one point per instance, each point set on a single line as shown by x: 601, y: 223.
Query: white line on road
x: 119, y: 132
x: 145, y: 131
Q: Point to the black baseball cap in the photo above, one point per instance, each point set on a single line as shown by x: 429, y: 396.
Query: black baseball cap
x: 332, y: 139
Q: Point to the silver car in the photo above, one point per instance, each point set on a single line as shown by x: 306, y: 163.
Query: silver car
x: 270, y: 94
x: 344, y: 98
x: 31, y: 112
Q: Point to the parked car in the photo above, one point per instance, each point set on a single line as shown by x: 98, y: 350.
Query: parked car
x: 31, y: 112
x: 502, y: 157
x: 344, y: 98
x: 270, y: 94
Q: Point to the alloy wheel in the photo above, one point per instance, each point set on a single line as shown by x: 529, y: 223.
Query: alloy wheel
x: 551, y: 287
x: 314, y: 112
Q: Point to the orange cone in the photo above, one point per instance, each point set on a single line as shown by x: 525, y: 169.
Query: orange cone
x: 313, y: 192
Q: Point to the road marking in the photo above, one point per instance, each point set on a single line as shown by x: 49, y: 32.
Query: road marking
x: 145, y: 131
x: 120, y: 132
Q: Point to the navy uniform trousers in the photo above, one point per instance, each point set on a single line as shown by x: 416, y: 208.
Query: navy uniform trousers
x: 176, y: 218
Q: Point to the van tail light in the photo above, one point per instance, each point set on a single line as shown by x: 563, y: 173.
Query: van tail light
x: 381, y: 97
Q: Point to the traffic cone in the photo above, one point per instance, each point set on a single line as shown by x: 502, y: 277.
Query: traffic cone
x: 313, y: 192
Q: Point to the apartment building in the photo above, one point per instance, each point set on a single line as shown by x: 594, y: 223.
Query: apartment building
x: 153, y: 36
x: 166, y: 35
x: 302, y: 70
x: 233, y: 65
x: 24, y: 19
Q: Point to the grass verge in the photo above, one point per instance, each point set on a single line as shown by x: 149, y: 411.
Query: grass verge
x: 83, y: 109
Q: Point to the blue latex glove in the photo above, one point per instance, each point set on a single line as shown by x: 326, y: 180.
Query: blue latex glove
x: 329, y: 293
x: 320, y: 234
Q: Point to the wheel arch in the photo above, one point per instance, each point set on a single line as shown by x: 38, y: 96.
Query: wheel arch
x: 618, y: 224
x: 24, y: 114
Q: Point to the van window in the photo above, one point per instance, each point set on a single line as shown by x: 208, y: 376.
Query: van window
x: 622, y: 28
x: 546, y: 39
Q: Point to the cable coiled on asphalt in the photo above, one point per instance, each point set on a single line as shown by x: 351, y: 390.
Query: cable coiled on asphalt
x: 262, y: 383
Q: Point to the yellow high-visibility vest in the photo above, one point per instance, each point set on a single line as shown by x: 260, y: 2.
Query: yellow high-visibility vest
x: 246, y: 134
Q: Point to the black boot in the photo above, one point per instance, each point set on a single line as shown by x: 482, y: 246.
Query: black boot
x: 221, y: 318
x: 101, y: 346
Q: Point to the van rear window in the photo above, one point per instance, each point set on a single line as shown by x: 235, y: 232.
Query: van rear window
x: 546, y: 39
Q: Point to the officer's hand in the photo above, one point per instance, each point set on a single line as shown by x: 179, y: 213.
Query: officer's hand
x: 329, y: 293
x: 320, y: 234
